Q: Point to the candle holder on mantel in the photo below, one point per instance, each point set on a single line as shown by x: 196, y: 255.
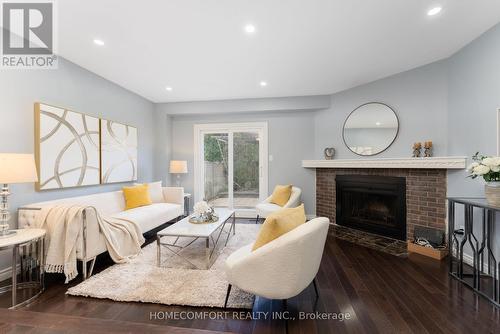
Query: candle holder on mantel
x: 428, y: 149
x: 416, y: 149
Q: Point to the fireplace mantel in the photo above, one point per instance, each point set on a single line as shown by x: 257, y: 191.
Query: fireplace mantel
x: 405, y: 163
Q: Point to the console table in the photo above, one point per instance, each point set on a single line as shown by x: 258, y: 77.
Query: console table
x: 483, y: 281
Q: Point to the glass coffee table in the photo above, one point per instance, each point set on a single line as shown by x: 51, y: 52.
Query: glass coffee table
x: 211, y: 232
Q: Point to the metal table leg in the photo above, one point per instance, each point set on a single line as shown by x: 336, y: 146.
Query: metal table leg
x: 460, y: 267
x: 497, y: 285
x: 158, y: 250
x: 42, y: 263
x: 468, y: 236
x: 15, y: 250
x: 451, y: 232
x: 207, y: 252
x: 492, y: 262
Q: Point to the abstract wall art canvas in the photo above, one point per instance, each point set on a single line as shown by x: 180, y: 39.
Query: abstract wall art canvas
x: 67, y: 148
x: 118, y: 152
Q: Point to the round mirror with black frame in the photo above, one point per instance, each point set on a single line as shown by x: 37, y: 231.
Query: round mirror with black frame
x: 370, y: 129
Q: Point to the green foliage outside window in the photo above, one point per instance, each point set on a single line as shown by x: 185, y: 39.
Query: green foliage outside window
x: 215, y: 148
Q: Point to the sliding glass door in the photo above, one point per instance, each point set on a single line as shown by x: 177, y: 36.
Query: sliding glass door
x: 231, y: 165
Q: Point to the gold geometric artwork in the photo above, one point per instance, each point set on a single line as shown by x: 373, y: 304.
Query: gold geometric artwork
x: 118, y: 152
x: 73, y: 150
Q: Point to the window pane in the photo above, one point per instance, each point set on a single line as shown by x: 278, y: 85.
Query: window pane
x: 246, y: 169
x: 216, y: 169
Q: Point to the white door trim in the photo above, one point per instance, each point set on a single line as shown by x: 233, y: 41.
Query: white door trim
x: 201, y: 129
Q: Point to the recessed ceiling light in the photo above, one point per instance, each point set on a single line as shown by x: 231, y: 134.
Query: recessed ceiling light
x: 434, y: 11
x: 250, y: 29
x: 98, y: 42
x: 378, y: 123
x: 263, y: 83
x: 168, y: 88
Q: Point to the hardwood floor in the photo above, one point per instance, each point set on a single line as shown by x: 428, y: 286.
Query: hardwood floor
x: 381, y: 293
x: 37, y: 322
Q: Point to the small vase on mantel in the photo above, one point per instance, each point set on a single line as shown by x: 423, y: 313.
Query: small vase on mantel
x: 492, y: 193
x: 489, y: 169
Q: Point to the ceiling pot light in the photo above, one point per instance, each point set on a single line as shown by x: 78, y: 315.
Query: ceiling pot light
x: 434, y: 11
x: 378, y: 124
x: 98, y: 42
x: 250, y: 29
x: 263, y: 83
x: 168, y: 88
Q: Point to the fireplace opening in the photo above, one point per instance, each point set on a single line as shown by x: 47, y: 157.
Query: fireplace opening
x: 374, y: 204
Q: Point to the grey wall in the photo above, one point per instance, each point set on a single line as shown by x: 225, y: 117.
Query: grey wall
x: 163, y: 145
x: 75, y: 88
x: 474, y: 98
x: 291, y: 139
x: 419, y: 98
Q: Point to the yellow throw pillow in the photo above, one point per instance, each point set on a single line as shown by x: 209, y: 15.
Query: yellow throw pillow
x: 281, y: 194
x: 279, y: 223
x: 136, y: 196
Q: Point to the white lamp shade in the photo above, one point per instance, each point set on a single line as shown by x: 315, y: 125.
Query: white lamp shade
x: 178, y: 167
x: 17, y: 168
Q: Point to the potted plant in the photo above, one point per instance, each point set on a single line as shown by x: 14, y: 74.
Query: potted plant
x: 489, y: 169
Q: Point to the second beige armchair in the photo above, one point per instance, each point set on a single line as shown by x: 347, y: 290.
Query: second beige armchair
x: 265, y: 208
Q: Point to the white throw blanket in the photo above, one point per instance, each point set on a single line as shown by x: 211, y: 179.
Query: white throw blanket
x: 63, y: 225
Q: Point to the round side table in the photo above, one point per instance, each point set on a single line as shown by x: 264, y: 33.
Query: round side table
x: 27, y: 245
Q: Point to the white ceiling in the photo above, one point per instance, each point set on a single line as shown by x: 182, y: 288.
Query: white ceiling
x: 301, y: 47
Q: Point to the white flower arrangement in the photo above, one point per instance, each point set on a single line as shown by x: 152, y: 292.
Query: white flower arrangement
x: 203, y: 212
x: 487, y: 167
x: 201, y: 208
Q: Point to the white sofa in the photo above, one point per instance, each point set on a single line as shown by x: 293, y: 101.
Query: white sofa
x: 266, y: 208
x: 282, y: 268
x: 90, y: 241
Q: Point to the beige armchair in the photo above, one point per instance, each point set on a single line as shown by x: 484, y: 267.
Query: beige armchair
x: 265, y: 208
x: 282, y: 268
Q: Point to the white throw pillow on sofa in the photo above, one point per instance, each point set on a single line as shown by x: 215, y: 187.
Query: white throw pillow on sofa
x: 155, y: 192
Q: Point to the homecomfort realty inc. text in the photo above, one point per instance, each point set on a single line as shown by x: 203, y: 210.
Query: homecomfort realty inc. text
x: 248, y: 315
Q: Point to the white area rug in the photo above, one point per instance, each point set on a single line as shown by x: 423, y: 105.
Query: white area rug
x: 175, y: 282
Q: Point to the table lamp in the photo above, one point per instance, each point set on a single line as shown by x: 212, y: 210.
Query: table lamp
x: 178, y: 167
x: 14, y: 168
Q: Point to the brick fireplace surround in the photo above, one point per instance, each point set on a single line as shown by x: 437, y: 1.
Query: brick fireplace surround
x: 425, y: 194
